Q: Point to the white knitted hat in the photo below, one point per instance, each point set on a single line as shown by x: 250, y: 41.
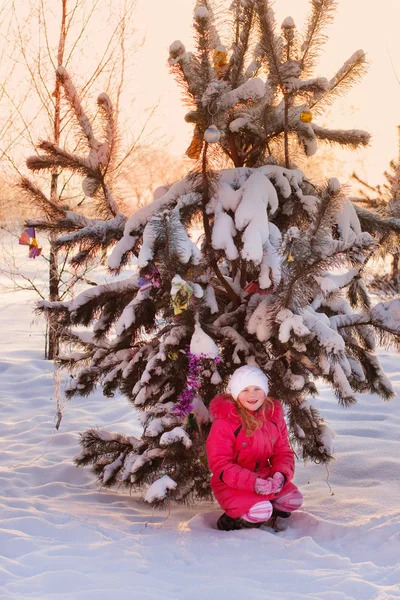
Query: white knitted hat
x: 245, y: 376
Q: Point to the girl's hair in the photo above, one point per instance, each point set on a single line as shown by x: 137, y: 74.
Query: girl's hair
x: 253, y: 420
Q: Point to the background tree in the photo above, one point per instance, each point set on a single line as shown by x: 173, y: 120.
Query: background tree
x: 38, y: 104
x: 274, y: 277
x: 151, y: 167
x: 385, y: 201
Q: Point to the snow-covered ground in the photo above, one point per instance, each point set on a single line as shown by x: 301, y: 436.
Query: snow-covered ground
x: 61, y: 537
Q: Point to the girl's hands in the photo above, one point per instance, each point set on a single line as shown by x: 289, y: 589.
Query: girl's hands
x: 264, y: 486
x: 279, y: 481
x: 271, y: 485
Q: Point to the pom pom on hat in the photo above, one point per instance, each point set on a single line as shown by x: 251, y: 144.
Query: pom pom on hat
x: 245, y: 376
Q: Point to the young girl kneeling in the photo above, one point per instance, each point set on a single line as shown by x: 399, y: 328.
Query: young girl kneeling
x: 249, y: 454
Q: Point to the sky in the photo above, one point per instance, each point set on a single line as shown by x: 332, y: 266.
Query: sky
x: 373, y: 104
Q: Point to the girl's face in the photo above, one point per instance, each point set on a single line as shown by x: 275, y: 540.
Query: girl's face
x: 252, y: 397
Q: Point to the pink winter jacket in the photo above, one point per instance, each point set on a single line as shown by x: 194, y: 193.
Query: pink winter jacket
x: 236, y: 460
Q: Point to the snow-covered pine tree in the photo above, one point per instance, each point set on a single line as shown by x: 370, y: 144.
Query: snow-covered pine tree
x: 385, y: 201
x: 252, y: 116
x: 251, y: 264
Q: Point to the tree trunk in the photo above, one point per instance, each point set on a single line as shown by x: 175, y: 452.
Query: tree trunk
x: 395, y: 265
x: 54, y: 296
x: 53, y: 343
x: 286, y: 131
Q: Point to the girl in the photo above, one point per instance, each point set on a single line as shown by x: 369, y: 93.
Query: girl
x: 249, y: 454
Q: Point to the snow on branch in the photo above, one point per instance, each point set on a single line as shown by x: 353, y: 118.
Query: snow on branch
x: 110, y: 128
x: 138, y: 220
x: 103, y: 232
x: 253, y: 89
x: 72, y: 306
x: 178, y: 434
x: 74, y: 100
x: 387, y: 315
x: 158, y: 490
x: 353, y: 138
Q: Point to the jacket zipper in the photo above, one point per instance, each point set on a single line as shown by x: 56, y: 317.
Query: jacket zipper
x: 257, y: 466
x: 237, y: 456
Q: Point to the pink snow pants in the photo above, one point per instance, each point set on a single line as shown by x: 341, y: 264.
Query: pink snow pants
x: 261, y: 511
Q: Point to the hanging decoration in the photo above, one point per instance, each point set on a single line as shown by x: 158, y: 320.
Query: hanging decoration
x: 181, y: 300
x: 181, y: 293
x: 212, y: 134
x: 149, y: 277
x: 28, y: 238
x: 184, y: 406
x: 220, y: 61
x: 254, y: 288
x: 196, y: 144
x: 306, y: 116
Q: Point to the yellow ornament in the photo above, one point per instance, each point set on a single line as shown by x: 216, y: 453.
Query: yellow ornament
x: 180, y: 300
x: 173, y: 355
x: 290, y: 258
x: 220, y: 61
x: 306, y: 116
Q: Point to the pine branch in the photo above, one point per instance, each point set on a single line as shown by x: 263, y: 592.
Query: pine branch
x: 107, y: 203
x: 35, y: 195
x: 353, y: 138
x: 109, y: 125
x: 70, y: 222
x: 75, y: 103
x: 103, y: 234
x: 348, y: 75
x: 330, y: 203
x: 58, y: 157
x: 270, y: 44
x: 314, y: 38
x: 306, y: 421
x: 358, y: 294
x: 84, y: 308
x: 363, y: 182
x: 374, y: 224
x: 318, y: 85
x: 236, y: 63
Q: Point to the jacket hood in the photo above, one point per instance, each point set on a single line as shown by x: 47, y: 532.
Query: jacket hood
x: 223, y: 407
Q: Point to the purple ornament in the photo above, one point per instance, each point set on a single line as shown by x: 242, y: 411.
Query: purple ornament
x: 149, y: 276
x: 185, y: 401
x: 184, y: 405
